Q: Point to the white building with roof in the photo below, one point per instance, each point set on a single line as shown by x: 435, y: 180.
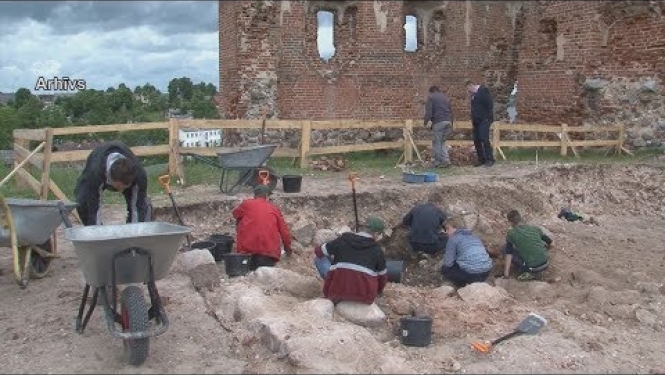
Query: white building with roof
x: 191, y: 137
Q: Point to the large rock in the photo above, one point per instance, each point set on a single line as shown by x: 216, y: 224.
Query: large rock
x: 200, y: 266
x: 317, y: 308
x: 315, y: 346
x: 304, y: 232
x: 482, y: 293
x: 241, y: 302
x: 360, y: 313
x: 289, y: 281
x: 323, y: 235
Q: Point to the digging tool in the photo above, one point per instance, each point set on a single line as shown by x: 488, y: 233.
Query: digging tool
x: 529, y: 326
x: 164, y: 181
x: 353, y: 178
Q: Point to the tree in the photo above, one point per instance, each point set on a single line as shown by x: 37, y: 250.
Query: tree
x: 8, y: 122
x: 29, y: 112
x: 52, y: 117
x: 21, y: 97
x: 180, y: 89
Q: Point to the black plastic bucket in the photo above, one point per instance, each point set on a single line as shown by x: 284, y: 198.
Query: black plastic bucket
x: 223, y: 245
x: 395, y: 268
x: 236, y: 264
x: 291, y: 183
x: 416, y: 330
x: 202, y: 245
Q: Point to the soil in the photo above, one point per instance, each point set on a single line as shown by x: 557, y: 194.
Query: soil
x: 602, y: 296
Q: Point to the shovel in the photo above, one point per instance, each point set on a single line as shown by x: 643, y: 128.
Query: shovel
x: 353, y: 178
x: 529, y: 326
x: 164, y: 181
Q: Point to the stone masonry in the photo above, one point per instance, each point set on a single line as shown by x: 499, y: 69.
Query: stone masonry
x: 579, y: 62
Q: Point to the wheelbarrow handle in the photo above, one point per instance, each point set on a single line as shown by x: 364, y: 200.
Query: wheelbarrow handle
x: 164, y: 181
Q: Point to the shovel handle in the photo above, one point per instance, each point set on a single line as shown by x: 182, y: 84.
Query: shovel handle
x: 164, y: 181
x: 353, y: 177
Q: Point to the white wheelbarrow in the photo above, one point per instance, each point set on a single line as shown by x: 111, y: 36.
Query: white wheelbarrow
x: 134, y: 253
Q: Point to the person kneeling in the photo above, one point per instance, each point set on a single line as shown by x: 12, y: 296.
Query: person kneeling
x: 465, y: 260
x: 353, y: 265
x: 526, y: 248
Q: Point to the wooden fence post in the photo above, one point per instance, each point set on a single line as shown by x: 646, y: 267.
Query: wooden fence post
x: 496, y: 139
x: 305, y: 143
x: 46, y: 164
x: 564, y: 139
x: 408, y: 134
x: 622, y: 138
x: 25, y: 144
x: 173, y: 147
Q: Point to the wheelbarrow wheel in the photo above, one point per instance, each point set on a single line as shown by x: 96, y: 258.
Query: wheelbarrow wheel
x: 134, y: 313
x: 40, y: 265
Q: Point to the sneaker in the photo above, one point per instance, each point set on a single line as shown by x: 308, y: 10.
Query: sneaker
x: 479, y: 163
x: 488, y: 163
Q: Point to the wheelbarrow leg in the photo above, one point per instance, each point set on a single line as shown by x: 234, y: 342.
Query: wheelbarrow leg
x: 80, y: 325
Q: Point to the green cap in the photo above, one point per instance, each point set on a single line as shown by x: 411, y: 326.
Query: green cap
x: 261, y: 189
x: 375, y: 225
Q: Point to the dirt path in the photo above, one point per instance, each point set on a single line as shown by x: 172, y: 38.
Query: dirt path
x: 604, y: 304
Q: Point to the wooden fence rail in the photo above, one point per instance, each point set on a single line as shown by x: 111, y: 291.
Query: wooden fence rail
x: 42, y: 161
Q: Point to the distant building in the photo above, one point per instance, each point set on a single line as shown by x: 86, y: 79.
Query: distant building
x: 190, y: 137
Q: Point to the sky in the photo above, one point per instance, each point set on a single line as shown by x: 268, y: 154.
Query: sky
x: 106, y: 43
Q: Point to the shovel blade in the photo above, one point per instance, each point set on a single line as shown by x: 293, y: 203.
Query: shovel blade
x: 531, y: 324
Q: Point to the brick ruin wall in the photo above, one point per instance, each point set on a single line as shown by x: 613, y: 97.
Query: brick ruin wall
x: 592, y: 63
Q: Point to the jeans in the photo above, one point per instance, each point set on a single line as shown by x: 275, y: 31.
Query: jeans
x: 518, y: 263
x: 461, y: 278
x: 481, y: 140
x: 322, y: 265
x: 442, y: 131
x: 428, y: 248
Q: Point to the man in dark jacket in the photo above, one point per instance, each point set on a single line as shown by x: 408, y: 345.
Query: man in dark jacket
x: 425, y: 223
x: 353, y: 265
x: 260, y: 228
x: 112, y: 166
x: 482, y: 116
x: 439, y: 112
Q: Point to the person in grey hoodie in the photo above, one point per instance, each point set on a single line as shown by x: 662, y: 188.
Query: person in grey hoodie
x: 466, y: 260
x: 439, y: 111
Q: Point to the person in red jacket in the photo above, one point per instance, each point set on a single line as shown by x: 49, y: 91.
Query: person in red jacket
x: 259, y: 228
x: 353, y: 265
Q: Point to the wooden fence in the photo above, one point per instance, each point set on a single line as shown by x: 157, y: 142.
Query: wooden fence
x: 43, y: 160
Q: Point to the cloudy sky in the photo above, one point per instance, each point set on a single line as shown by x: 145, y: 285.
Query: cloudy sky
x: 108, y: 42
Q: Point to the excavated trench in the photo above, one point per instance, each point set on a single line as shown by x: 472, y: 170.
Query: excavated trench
x: 482, y: 200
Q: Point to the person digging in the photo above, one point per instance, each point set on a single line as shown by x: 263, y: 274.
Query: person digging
x: 526, y: 248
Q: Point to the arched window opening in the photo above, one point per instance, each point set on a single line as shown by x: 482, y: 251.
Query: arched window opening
x: 411, y: 28
x: 325, y: 34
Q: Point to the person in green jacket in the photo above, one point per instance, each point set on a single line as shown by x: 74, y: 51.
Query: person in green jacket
x: 526, y: 248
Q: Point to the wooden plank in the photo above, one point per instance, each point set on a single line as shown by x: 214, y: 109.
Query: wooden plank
x: 79, y: 155
x: 595, y: 143
x: 30, y: 180
x: 46, y: 165
x: 305, y: 144
x: 279, y: 152
x: 450, y: 142
x: 563, y: 136
x: 110, y: 128
x: 352, y: 148
x: 356, y: 124
x: 29, y: 134
x: 19, y: 166
x: 174, y: 147
x: 530, y: 144
x: 408, y: 145
x: 220, y: 124
x: 36, y: 160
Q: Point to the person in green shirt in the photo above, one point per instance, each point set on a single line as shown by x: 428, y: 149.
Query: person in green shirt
x: 526, y: 248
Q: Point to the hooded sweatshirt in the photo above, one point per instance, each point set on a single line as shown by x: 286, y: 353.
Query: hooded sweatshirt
x: 358, y: 268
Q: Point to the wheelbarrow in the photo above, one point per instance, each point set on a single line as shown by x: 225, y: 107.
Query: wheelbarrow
x: 243, y: 166
x: 133, y: 253
x: 27, y: 226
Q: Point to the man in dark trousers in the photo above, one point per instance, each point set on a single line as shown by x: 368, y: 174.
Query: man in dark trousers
x: 482, y: 116
x: 425, y: 223
x: 438, y: 110
x: 112, y: 166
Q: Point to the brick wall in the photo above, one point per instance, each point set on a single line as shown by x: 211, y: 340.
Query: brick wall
x: 269, y: 57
